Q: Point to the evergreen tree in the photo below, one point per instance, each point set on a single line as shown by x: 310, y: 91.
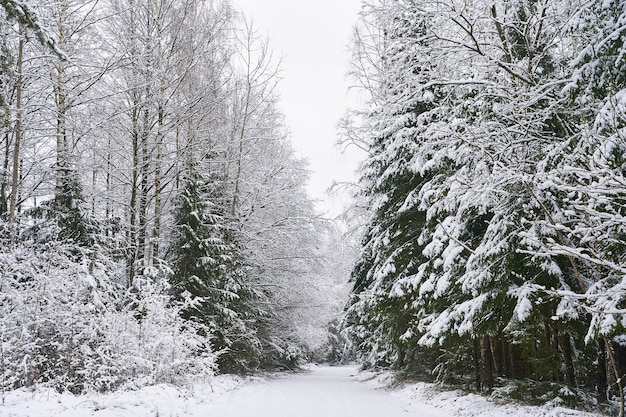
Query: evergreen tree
x: 65, y: 220
x: 209, y: 275
x: 383, y: 314
x: 75, y: 223
x: 589, y: 175
x: 511, y: 118
x: 468, y: 164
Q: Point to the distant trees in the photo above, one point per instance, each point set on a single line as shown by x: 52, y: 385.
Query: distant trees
x: 486, y: 253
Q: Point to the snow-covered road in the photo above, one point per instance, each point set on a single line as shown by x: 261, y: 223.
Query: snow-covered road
x: 322, y: 392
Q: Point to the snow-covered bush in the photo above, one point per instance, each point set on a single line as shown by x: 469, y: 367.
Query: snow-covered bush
x: 64, y: 324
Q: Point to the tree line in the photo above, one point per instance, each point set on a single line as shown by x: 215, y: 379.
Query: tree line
x: 492, y: 194
x: 154, y: 221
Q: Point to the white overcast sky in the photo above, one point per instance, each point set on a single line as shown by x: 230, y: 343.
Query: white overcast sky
x: 312, y: 37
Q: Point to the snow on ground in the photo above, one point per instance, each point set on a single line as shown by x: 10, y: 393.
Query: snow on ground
x: 160, y: 400
x: 459, y: 403
x: 322, y: 392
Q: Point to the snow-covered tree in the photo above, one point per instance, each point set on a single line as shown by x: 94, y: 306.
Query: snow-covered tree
x: 209, y: 275
x: 470, y: 130
x: 392, y: 249
x: 154, y: 216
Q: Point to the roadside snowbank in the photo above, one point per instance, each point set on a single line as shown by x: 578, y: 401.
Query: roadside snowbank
x: 459, y: 403
x: 159, y: 400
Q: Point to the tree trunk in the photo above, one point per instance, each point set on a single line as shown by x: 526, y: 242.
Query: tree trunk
x: 498, y: 353
x: 566, y: 347
x: 156, y: 231
x: 487, y: 359
x: 108, y: 210
x: 602, y: 384
x: 512, y: 361
x: 143, y: 192
x: 4, y: 186
x: 554, y: 341
x: 476, y: 359
x: 18, y: 140
x: 132, y: 229
x: 400, y: 361
x: 617, y: 373
x: 505, y: 366
x: 60, y: 102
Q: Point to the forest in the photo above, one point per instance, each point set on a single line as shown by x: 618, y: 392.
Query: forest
x: 154, y: 221
x: 155, y: 224
x: 493, y: 195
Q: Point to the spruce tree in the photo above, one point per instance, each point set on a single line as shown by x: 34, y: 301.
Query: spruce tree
x: 493, y: 201
x: 382, y: 318
x: 209, y: 274
x: 64, y: 223
x: 455, y: 169
x: 75, y: 223
x: 589, y: 173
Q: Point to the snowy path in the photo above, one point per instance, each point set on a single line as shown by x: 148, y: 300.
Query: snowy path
x: 323, y: 392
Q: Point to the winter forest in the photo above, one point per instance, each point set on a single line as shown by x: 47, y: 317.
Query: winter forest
x: 155, y: 224
x: 154, y: 219
x: 493, y: 194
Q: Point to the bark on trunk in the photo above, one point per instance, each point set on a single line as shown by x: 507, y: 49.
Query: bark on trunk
x: 143, y: 193
x: 4, y: 187
x: 512, y: 362
x: 60, y: 101
x: 566, y: 347
x: 602, y: 383
x: 132, y: 229
x: 156, y: 231
x: 18, y: 141
x: 476, y: 359
x: 487, y: 359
